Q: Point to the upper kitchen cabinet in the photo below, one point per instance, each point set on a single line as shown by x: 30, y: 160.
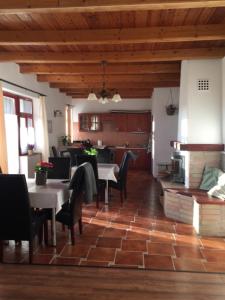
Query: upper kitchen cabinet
x: 90, y: 122
x: 120, y: 121
x: 138, y: 122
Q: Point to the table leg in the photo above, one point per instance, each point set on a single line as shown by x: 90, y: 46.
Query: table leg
x: 107, y: 192
x: 53, y: 227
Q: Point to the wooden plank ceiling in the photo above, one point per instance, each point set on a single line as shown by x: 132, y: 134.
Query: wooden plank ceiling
x: 142, y: 42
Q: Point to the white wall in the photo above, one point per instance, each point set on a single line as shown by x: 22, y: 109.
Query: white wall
x: 200, y: 116
x: 165, y: 127
x: 223, y: 100
x: 54, y: 99
x: 82, y: 106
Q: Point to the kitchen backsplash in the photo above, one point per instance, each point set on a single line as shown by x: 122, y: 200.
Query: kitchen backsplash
x: 110, y: 137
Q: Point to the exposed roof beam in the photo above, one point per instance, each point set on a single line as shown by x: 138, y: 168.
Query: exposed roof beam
x: 43, y: 6
x: 108, y: 78
x: 113, y: 36
x: 97, y: 68
x: 114, y: 85
x: 114, y: 57
x: 120, y: 90
x: 124, y: 96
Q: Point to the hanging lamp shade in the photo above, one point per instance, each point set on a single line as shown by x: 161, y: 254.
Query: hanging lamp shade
x: 116, y: 98
x: 92, y: 97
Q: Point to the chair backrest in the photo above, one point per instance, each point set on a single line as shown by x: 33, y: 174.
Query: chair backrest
x: 122, y: 175
x: 77, y: 195
x: 15, y: 211
x: 73, y: 155
x: 105, y: 155
x: 54, y: 151
x: 91, y: 159
x: 61, y: 168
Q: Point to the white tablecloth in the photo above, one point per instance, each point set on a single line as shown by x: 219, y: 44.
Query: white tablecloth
x: 105, y: 171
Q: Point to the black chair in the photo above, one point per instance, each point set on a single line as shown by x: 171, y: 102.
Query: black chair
x: 105, y: 155
x: 18, y: 221
x: 54, y: 151
x: 73, y: 155
x: 61, y: 168
x: 121, y: 183
x: 71, y: 211
x: 100, y: 184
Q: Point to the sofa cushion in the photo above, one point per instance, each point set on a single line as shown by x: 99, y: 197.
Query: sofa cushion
x: 210, y: 178
x: 218, y: 190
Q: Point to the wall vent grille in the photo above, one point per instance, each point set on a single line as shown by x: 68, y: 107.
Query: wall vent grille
x: 203, y: 84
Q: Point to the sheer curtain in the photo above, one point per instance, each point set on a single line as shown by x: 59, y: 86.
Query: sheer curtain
x: 41, y: 129
x: 3, y: 147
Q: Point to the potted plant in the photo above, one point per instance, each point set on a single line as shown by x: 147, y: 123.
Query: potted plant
x: 30, y: 149
x: 66, y: 140
x: 41, y: 170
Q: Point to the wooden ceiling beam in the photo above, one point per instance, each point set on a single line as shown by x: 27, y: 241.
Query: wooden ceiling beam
x: 97, y: 68
x: 113, y: 36
x: 114, y: 85
x: 92, y: 6
x: 96, y: 90
x: 109, y: 78
x: 112, y: 57
x: 124, y: 96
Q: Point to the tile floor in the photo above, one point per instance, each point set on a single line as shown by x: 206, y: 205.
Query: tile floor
x: 136, y: 235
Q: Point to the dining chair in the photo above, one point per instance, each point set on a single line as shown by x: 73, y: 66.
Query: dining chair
x: 61, y: 168
x: 73, y: 155
x: 121, y: 183
x: 100, y: 184
x: 18, y: 221
x: 54, y: 151
x: 105, y: 155
x: 71, y: 211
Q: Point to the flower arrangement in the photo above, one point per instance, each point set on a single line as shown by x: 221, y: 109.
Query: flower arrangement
x: 90, y: 151
x: 43, y: 166
x: 30, y: 147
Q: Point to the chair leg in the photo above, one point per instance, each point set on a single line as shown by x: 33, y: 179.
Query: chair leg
x: 80, y: 226
x: 125, y: 192
x: 1, y: 250
x: 46, y: 232
x: 63, y: 227
x: 40, y: 235
x: 97, y: 201
x: 72, y: 234
x: 30, y: 252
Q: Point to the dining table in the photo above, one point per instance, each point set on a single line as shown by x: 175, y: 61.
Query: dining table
x: 105, y: 172
x: 51, y: 195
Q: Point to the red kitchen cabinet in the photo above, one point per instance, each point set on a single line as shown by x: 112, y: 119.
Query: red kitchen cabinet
x: 120, y: 121
x: 138, y: 122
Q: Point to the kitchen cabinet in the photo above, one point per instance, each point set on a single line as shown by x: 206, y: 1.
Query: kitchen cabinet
x: 90, y: 122
x: 138, y: 122
x: 120, y: 121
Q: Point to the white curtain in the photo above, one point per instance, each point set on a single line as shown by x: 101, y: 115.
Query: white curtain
x: 41, y: 129
x: 3, y: 147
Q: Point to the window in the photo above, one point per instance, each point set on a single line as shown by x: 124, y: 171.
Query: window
x: 23, y: 108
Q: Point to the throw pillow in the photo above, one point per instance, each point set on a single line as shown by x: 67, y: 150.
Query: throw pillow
x: 210, y: 178
x: 218, y: 190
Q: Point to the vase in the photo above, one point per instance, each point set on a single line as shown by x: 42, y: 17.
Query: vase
x: 41, y: 178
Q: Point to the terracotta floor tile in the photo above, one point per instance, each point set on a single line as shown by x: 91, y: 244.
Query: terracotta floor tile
x: 185, y: 229
x: 129, y: 258
x: 164, y: 228
x: 160, y: 249
x: 188, y: 252
x: 161, y: 237
x: 134, y: 245
x: 42, y: 259
x: 118, y: 225
x: 214, y: 266
x: 102, y: 254
x: 94, y: 263
x: 75, y: 250
x: 86, y: 240
x: 185, y: 264
x: 158, y: 262
x: 113, y: 232
x: 214, y: 255
x: 108, y: 242
x: 99, y: 222
x: 187, y: 240
x: 213, y: 243
x: 135, y: 234
x: 93, y: 230
x: 136, y: 225
x: 69, y: 261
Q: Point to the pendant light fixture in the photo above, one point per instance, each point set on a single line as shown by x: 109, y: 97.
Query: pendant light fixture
x: 104, y: 94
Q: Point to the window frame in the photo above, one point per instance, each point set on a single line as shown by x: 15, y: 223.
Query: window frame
x: 20, y: 114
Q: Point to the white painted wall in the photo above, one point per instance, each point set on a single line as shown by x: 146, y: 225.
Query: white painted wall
x: 223, y: 100
x: 165, y: 127
x: 200, y: 117
x: 54, y: 99
x: 83, y: 106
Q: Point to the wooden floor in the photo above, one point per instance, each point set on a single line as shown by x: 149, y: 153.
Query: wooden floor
x: 20, y: 282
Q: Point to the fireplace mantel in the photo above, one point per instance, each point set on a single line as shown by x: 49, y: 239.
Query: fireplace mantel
x: 196, y: 147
